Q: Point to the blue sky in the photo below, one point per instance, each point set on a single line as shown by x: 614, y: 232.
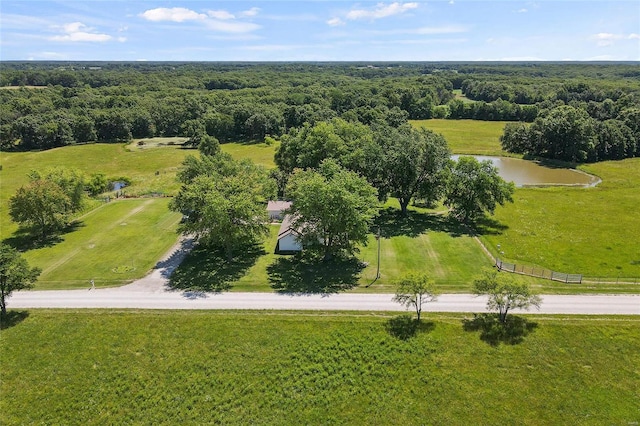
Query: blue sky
x: 454, y: 30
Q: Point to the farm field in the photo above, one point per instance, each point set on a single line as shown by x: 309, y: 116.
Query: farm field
x: 152, y: 167
x: 170, y: 367
x: 468, y: 136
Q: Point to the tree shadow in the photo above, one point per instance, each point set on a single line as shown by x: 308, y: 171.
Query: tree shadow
x: 392, y: 223
x: 27, y: 238
x: 12, y: 318
x: 301, y: 274
x: 206, y: 269
x: 486, y: 225
x: 404, y: 327
x: 550, y: 162
x: 167, y: 266
x: 493, y: 332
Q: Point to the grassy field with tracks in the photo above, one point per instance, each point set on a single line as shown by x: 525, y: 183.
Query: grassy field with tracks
x: 169, y: 367
x: 112, y: 244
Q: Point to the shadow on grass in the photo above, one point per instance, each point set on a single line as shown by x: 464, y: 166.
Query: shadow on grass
x: 493, y: 332
x: 300, y: 274
x: 12, y: 318
x: 207, y: 269
x: 393, y: 224
x: 404, y: 327
x: 489, y: 226
x: 25, y: 239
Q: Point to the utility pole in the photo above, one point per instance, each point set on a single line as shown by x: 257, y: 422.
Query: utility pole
x: 378, y: 238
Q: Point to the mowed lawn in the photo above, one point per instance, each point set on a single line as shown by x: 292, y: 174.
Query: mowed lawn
x: 468, y: 136
x: 204, y: 367
x: 421, y: 243
x: 113, y: 244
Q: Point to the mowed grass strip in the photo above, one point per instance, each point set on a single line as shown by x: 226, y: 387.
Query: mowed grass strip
x: 468, y: 136
x: 259, y: 153
x: 170, y: 367
x: 113, y: 244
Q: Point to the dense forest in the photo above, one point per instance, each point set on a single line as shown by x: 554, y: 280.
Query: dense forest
x: 569, y: 111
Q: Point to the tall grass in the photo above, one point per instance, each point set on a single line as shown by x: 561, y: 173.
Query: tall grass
x: 128, y: 367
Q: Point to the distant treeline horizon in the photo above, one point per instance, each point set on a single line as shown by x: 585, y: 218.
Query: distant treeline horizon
x: 107, y: 101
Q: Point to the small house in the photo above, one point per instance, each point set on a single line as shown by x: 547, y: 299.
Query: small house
x: 276, y: 209
x: 288, y: 238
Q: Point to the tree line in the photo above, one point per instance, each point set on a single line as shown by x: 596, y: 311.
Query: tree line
x: 571, y: 134
x: 112, y: 102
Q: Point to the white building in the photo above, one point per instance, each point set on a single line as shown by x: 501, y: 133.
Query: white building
x: 276, y: 209
x: 288, y: 241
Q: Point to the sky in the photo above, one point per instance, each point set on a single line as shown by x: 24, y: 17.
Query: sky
x: 446, y: 30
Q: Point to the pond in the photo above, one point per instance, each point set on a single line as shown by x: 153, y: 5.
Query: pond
x: 531, y: 173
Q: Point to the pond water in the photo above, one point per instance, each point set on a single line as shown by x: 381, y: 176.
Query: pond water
x: 526, y: 173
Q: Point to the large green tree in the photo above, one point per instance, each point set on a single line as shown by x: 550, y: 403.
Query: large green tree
x: 15, y: 274
x: 332, y: 208
x: 408, y: 163
x: 475, y: 188
x: 223, y: 201
x: 504, y: 293
x: 71, y: 181
x: 41, y: 204
x: 309, y: 146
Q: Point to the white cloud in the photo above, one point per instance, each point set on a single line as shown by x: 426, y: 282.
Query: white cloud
x: 334, y: 22
x: 216, y: 20
x: 231, y: 26
x: 634, y: 36
x: 523, y: 10
x: 607, y: 39
x: 122, y: 39
x: 381, y: 11
x: 174, y: 14
x: 77, y: 31
x: 250, y: 12
x: 220, y: 14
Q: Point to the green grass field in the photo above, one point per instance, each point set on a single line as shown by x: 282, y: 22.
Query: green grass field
x: 565, y: 229
x: 151, y: 167
x: 468, y: 136
x: 592, y: 231
x: 151, y: 170
x: 113, y: 244
x: 425, y: 241
x: 169, y: 367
